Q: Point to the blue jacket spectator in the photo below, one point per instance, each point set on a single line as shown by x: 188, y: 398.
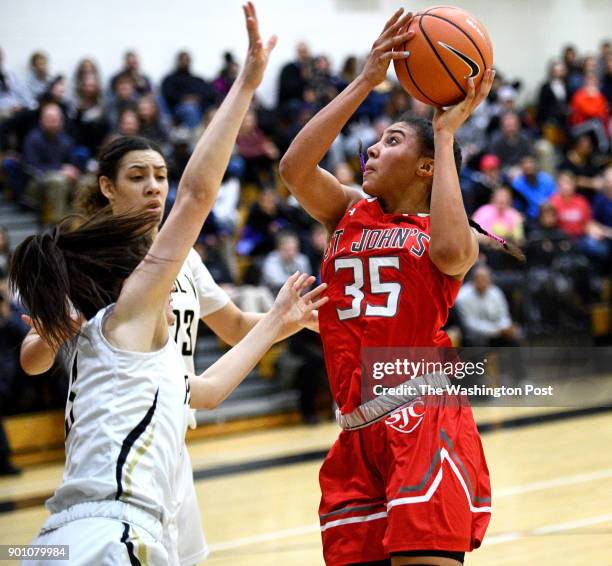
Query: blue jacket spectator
x: 533, y: 187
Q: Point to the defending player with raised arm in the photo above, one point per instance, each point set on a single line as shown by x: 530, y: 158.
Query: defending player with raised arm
x: 132, y: 177
x: 128, y: 399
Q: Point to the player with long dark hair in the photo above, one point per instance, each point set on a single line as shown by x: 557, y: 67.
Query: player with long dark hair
x: 406, y: 482
x: 129, y: 394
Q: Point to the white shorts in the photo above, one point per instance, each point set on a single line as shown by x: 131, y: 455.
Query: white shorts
x: 105, y: 533
x: 192, y: 547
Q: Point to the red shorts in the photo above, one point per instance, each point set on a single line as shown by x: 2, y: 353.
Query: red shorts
x: 415, y: 481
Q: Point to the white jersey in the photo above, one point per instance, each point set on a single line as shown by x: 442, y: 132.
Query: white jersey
x: 197, y: 295
x: 126, y: 418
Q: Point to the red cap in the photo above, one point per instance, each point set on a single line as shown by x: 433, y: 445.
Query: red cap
x: 489, y: 161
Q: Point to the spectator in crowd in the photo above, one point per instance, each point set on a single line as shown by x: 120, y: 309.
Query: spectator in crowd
x: 500, y: 218
x: 606, y: 79
x: 573, y: 210
x: 227, y: 75
x: 57, y: 93
x: 559, y: 280
x: 602, y: 220
x: 286, y: 259
x: 295, y: 76
x: 485, y: 182
x: 13, y: 96
x: 575, y: 219
x: 349, y: 72
x: 510, y: 144
x: 124, y: 97
x: 12, y: 332
x: 581, y: 160
x: 89, y: 121
x: 553, y: 103
x: 5, y: 250
x: 590, y: 111
x: 546, y: 240
x: 131, y: 68
x: 85, y: 67
x: 323, y: 82
x: 266, y: 218
x: 258, y: 151
x: 605, y: 52
x: 484, y: 314
x: 398, y: 103
x: 186, y: 94
x: 151, y: 124
x: 129, y: 123
x: 346, y: 175
x: 49, y: 157
x: 38, y: 77
x: 574, y: 69
x: 315, y: 248
x: 533, y: 187
x: 602, y: 203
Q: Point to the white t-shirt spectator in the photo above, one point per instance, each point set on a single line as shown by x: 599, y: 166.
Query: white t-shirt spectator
x: 484, y: 314
x: 276, y: 271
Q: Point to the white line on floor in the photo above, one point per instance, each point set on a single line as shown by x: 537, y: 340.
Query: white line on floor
x: 490, y: 540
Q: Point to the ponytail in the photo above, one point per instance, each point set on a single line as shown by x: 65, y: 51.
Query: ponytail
x: 82, y: 268
x: 510, y: 248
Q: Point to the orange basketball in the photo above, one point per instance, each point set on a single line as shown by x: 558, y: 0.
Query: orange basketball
x: 450, y: 45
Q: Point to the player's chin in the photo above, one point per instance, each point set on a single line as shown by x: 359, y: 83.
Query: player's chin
x: 370, y: 186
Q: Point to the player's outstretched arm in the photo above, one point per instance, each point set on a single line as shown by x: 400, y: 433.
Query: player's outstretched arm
x: 144, y: 295
x: 319, y: 192
x: 290, y: 308
x: 453, y: 248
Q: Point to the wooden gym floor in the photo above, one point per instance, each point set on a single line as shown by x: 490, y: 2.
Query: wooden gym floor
x: 258, y: 492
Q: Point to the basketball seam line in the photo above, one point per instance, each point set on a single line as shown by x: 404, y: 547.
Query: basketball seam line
x: 439, y: 57
x: 415, y: 83
x: 484, y: 63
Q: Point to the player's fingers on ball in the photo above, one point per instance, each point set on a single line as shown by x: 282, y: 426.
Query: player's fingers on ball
x: 399, y: 54
x: 395, y: 40
x: 398, y: 25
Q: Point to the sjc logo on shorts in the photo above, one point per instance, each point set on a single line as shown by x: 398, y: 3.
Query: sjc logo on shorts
x: 407, y: 419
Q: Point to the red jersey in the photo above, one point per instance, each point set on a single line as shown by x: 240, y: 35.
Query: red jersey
x: 384, y: 291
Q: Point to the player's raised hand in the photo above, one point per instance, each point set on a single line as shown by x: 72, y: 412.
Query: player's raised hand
x: 258, y: 53
x: 392, y: 36
x: 293, y: 306
x: 452, y: 118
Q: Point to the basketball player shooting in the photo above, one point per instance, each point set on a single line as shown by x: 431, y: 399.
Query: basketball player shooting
x: 389, y: 496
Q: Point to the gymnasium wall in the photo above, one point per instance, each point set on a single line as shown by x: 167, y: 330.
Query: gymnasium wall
x: 525, y: 33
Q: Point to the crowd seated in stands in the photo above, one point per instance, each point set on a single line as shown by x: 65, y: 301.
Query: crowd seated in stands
x: 537, y: 171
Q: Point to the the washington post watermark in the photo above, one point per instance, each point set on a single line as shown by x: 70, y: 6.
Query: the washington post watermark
x: 525, y: 376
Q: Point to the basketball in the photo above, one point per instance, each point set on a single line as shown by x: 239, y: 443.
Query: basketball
x: 450, y: 45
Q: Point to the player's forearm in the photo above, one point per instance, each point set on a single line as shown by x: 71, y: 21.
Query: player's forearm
x: 316, y: 137
x: 36, y: 356
x: 210, y: 388
x: 452, y: 241
x: 248, y: 320
x: 204, y: 172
